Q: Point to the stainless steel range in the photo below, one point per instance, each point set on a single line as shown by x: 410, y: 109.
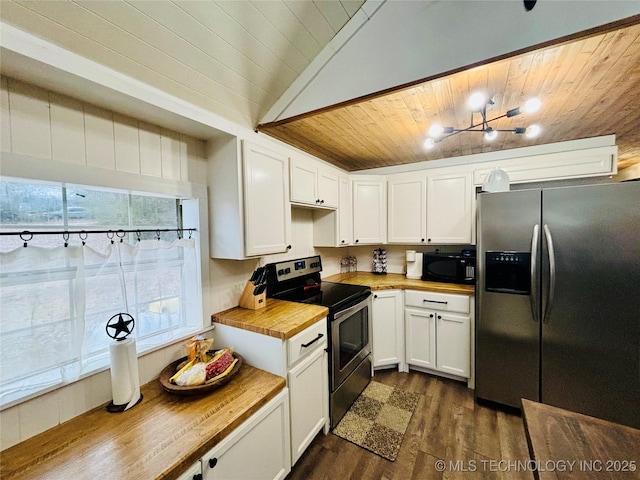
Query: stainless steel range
x: 349, y: 347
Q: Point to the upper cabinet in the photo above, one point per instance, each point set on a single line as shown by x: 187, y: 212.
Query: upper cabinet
x: 407, y: 209
x: 369, y: 211
x: 312, y: 185
x: 449, y: 199
x: 334, y: 228
x: 249, y: 206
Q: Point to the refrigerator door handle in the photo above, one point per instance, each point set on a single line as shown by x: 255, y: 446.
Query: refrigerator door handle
x: 552, y: 274
x: 534, y: 270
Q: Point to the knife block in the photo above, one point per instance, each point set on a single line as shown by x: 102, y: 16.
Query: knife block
x: 251, y: 301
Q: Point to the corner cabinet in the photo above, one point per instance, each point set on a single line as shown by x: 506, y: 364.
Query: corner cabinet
x: 387, y: 329
x: 311, y: 185
x: 258, y: 448
x: 449, y: 201
x: 369, y: 212
x: 249, y: 208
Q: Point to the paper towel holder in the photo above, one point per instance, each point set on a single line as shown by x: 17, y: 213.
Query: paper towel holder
x: 122, y: 329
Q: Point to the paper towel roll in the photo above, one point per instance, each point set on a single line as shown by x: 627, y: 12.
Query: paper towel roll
x: 125, y: 379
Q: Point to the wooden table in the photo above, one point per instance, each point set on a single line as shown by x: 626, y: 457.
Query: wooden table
x: 569, y: 445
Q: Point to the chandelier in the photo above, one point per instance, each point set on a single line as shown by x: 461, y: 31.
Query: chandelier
x: 479, y: 104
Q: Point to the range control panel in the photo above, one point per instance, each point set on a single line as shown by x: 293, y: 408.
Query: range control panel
x: 297, y: 268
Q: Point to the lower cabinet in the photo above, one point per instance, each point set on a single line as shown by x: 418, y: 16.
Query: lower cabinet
x: 438, y: 332
x: 302, y: 359
x: 193, y: 473
x: 257, y: 449
x: 387, y: 329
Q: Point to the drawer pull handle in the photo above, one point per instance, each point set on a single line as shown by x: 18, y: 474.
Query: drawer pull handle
x: 213, y: 462
x: 435, y: 301
x: 305, y: 345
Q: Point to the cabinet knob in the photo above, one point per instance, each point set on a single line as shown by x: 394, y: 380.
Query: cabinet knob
x: 341, y: 241
x: 288, y: 247
x: 213, y: 462
x: 375, y: 296
x: 317, y: 200
x: 321, y: 201
x: 439, y: 317
x: 197, y: 476
x: 428, y: 239
x: 357, y: 240
x: 422, y: 239
x: 431, y: 315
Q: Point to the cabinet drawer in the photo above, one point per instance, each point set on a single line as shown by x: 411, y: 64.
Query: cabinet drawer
x: 437, y: 301
x: 307, y: 341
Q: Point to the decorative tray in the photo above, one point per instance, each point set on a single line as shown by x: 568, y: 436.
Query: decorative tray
x: 170, y: 370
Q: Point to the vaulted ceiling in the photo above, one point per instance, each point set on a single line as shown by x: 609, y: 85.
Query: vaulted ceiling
x: 237, y: 58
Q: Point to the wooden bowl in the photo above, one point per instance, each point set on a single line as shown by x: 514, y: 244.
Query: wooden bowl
x: 171, y: 369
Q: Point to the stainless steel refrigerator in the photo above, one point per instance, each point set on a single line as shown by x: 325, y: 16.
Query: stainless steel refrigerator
x: 558, y: 299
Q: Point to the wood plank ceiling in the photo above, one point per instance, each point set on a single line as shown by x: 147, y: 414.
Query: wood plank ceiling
x: 234, y: 58
x: 588, y: 87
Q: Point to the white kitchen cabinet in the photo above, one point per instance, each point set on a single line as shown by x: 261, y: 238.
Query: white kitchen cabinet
x: 249, y: 207
x: 449, y: 200
x: 313, y: 185
x: 420, y: 329
x: 302, y: 359
x: 334, y: 228
x: 193, y: 473
x: 438, y: 332
x: 369, y: 212
x: 407, y: 209
x: 387, y: 329
x: 257, y: 449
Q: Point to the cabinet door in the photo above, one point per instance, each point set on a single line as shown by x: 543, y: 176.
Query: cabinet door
x: 387, y: 328
x: 369, y: 212
x: 259, y: 448
x: 407, y: 214
x: 304, y: 178
x: 453, y: 341
x: 345, y: 212
x: 308, y: 391
x: 327, y: 189
x: 449, y: 208
x: 266, y: 196
x: 194, y: 473
x: 420, y: 337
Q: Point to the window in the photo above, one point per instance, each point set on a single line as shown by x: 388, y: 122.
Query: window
x: 57, y: 294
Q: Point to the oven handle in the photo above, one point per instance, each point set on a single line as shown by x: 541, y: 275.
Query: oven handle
x: 352, y: 307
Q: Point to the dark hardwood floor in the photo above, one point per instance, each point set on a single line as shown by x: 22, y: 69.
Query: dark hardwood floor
x: 447, y: 425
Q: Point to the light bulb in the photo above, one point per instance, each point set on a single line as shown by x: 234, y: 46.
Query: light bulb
x: 436, y: 130
x: 532, y: 105
x: 477, y: 101
x: 532, y: 131
x: 491, y: 134
x: 429, y: 143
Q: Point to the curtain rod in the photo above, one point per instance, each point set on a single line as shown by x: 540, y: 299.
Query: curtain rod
x: 115, y: 233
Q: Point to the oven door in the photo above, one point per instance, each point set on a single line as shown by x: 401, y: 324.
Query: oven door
x: 349, y: 341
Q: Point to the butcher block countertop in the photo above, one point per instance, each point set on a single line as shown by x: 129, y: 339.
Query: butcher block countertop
x: 279, y: 319
x: 392, y: 281
x: 159, y: 438
x: 597, y: 448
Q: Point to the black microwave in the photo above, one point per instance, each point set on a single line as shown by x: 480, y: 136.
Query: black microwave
x: 449, y: 268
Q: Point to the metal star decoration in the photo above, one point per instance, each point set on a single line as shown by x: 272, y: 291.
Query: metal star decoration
x: 121, y: 327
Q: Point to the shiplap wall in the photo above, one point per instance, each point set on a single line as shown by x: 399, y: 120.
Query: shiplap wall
x: 46, y: 125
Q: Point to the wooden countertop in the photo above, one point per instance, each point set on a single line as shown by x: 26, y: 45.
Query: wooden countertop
x: 396, y: 280
x: 278, y: 318
x: 159, y: 438
x: 600, y: 449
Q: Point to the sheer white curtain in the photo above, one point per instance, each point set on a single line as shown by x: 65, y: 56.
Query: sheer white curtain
x: 55, y: 303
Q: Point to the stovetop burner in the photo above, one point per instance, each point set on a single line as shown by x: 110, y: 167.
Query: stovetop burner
x: 334, y: 296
